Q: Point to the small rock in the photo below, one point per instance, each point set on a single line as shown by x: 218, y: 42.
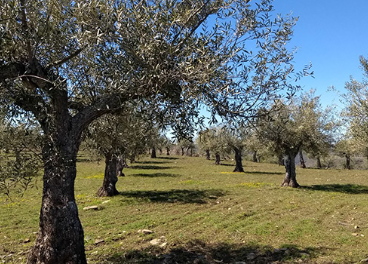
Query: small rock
x: 212, y: 197
x: 104, y: 202
x: 354, y: 234
x: 161, y: 242
x: 93, y: 207
x: 99, y: 241
x: 27, y: 240
x: 364, y: 260
x: 356, y: 227
x: 155, y: 242
x: 146, y: 231
x: 163, y: 245
x: 251, y: 256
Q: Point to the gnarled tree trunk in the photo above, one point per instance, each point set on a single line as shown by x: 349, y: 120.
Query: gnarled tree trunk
x: 153, y: 153
x: 108, y: 187
x: 217, y: 162
x: 60, y: 238
x: 255, y: 156
x: 208, y: 156
x: 238, y: 160
x: 347, y: 158
x: 121, y: 164
x: 290, y: 177
x: 302, y: 162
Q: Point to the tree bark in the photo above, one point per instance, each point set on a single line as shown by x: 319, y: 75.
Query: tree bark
x: 217, y: 162
x: 167, y: 151
x: 302, y: 162
x: 290, y: 177
x: 60, y: 238
x: 153, y: 153
x: 108, y: 187
x: 208, y: 156
x: 319, y: 165
x: 255, y: 156
x: 182, y: 151
x: 121, y: 164
x: 347, y: 157
x: 238, y: 160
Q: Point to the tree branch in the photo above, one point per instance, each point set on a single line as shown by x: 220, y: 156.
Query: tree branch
x: 62, y: 61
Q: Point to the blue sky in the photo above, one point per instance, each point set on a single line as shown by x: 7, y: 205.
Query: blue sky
x: 331, y: 35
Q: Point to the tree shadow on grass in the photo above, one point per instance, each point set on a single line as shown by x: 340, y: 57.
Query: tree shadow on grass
x: 151, y: 162
x: 173, y: 196
x: 154, y: 175
x: 228, y: 165
x: 149, y: 167
x: 343, y: 188
x: 167, y: 158
x: 199, y: 252
x: 265, y: 172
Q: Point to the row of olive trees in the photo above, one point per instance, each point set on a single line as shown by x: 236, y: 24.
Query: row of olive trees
x: 284, y: 129
x: 67, y: 63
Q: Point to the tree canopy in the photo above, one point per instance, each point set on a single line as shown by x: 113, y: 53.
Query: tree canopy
x: 69, y: 62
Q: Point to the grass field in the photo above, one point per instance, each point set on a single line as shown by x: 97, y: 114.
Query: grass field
x: 201, y: 213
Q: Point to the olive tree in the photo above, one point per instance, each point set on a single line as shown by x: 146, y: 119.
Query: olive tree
x: 70, y: 62
x: 293, y: 126
x: 356, y: 110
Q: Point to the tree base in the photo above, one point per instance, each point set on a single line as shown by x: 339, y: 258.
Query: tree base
x: 292, y: 184
x: 102, y: 192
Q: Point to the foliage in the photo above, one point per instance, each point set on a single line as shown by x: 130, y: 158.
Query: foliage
x: 19, y: 161
x: 214, y: 140
x: 356, y: 111
x: 69, y: 62
x: 302, y: 123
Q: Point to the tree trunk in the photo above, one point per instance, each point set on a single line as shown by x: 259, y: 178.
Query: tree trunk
x: 217, y: 162
x: 319, y: 165
x: 238, y: 160
x: 347, y: 157
x: 302, y: 162
x: 160, y: 149
x: 255, y: 156
x: 208, y: 156
x: 60, y: 238
x: 153, y: 153
x: 290, y: 177
x: 167, y: 151
x: 182, y: 151
x: 108, y: 187
x: 121, y: 164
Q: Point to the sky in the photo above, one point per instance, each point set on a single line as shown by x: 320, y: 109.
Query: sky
x: 331, y: 35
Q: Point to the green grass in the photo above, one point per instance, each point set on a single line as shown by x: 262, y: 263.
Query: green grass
x: 207, y: 214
